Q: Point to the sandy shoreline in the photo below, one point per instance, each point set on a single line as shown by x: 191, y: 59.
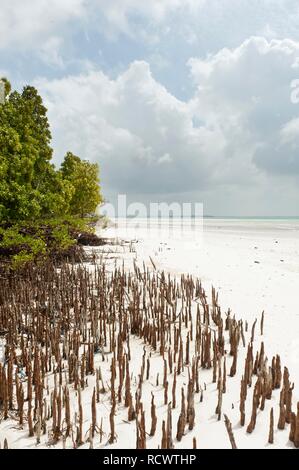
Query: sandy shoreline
x: 223, y: 255
x: 253, y: 264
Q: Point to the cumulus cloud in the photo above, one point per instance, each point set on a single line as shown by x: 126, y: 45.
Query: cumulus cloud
x: 27, y: 24
x: 23, y: 22
x: 143, y: 136
x: 290, y: 132
x: 123, y: 16
x: 248, y: 90
x: 237, y: 133
x: 50, y: 52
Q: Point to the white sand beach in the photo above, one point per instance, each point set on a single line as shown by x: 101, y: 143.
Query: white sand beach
x: 252, y: 263
x: 254, y: 266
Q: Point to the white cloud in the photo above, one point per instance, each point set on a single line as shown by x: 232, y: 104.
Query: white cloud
x: 238, y: 135
x: 24, y: 23
x: 118, y: 13
x: 141, y: 135
x: 290, y: 131
x: 247, y: 92
x: 229, y: 141
x: 50, y: 52
x: 166, y: 158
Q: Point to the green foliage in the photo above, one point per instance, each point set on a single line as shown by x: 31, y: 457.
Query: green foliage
x: 21, y: 247
x: 30, y: 186
x: 83, y: 177
x: 41, y: 208
x: 62, y: 238
x: 15, y: 237
x: 22, y: 258
x: 7, y: 86
x: 33, y: 241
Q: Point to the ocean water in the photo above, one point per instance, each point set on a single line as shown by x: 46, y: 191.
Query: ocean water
x: 195, y: 228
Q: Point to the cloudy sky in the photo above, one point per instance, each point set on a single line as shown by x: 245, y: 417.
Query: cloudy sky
x: 177, y: 100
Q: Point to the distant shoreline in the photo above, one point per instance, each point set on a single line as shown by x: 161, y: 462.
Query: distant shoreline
x: 218, y: 217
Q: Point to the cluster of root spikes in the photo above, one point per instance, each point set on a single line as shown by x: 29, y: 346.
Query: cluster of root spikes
x: 69, y: 373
